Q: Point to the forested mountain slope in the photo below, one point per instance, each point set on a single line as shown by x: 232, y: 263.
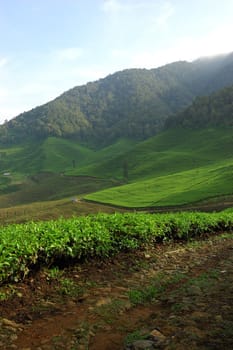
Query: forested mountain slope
x: 215, y: 110
x: 133, y: 103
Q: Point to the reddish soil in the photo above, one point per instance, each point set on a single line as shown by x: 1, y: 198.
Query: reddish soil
x: 87, y: 305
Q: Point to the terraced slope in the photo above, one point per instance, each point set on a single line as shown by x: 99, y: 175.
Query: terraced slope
x: 175, y: 170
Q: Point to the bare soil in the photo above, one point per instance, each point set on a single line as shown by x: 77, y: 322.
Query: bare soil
x: 183, y: 291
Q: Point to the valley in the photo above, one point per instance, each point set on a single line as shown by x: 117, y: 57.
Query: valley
x: 102, y: 152
x: 105, y: 240
x: 116, y: 175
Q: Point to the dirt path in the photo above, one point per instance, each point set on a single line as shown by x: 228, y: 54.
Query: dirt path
x: 173, y: 296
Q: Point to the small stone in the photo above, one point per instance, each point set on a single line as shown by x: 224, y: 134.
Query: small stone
x: 198, y: 315
x: 219, y: 318
x: 103, y: 301
x: 91, y: 334
x: 194, y: 290
x: 226, y: 307
x: 193, y: 332
x: 121, y: 289
x: 157, y: 336
x: 13, y: 337
x: 143, y: 345
x: 9, y: 323
x: 105, y: 290
x: 82, y: 347
x: 19, y: 295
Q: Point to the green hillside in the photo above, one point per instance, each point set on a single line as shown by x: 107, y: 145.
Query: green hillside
x: 175, y: 167
x: 93, y: 141
x: 52, y: 154
x: 38, y: 171
x: 166, y: 153
x: 207, y: 111
x: 131, y: 104
x: 180, y: 170
x: 57, y: 155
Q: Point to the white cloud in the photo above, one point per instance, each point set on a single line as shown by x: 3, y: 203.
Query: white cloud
x: 167, y: 11
x: 3, y: 92
x: 216, y: 41
x: 7, y: 113
x: 184, y: 48
x: 3, y: 61
x: 115, y: 6
x: 69, y: 54
x: 112, y: 6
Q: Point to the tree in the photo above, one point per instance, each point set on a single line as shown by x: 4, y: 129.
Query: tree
x: 126, y: 169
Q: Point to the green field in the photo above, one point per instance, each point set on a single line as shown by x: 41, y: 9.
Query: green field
x: 173, y: 168
x: 57, y: 155
x: 50, y: 186
x: 176, y: 189
x: 24, y: 247
x: 166, y: 153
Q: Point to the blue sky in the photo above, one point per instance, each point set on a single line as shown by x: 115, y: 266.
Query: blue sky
x: 50, y: 46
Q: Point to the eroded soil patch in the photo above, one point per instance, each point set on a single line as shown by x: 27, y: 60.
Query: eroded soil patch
x: 182, y: 291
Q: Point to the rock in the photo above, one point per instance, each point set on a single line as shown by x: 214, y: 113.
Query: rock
x: 226, y: 307
x: 105, y: 290
x: 103, y: 301
x: 219, y: 318
x: 19, y: 295
x: 198, y: 315
x: 13, y: 337
x: 82, y: 347
x: 9, y: 323
x: 157, y: 337
x: 193, y: 332
x: 121, y: 289
x: 194, y: 290
x: 141, y: 345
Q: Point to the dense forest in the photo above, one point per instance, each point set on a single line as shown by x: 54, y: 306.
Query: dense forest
x: 207, y: 111
x: 133, y: 103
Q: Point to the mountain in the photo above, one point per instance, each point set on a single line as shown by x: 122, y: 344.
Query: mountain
x: 215, y: 110
x: 137, y: 138
x: 133, y: 103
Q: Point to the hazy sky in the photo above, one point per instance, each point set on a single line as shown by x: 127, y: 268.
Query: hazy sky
x: 50, y: 46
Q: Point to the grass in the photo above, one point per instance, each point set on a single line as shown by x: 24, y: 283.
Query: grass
x: 50, y: 210
x: 173, y: 168
x: 53, y: 155
x: 69, y: 288
x: 176, y: 189
x: 50, y: 186
x: 167, y: 153
x: 134, y: 336
x: 59, y: 155
x: 156, y: 288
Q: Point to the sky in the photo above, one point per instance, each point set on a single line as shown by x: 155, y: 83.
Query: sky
x: 50, y: 46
